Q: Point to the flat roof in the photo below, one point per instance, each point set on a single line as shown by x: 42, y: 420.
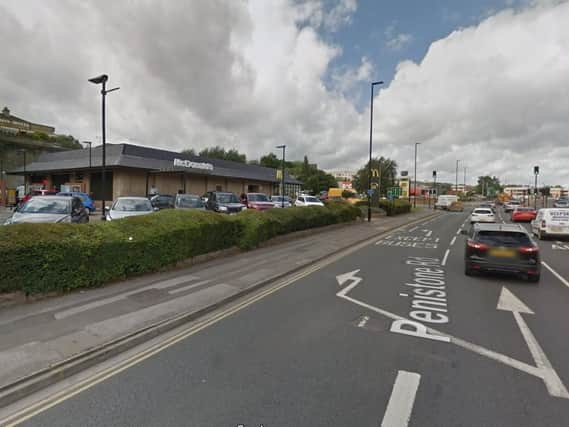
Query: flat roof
x: 149, y: 159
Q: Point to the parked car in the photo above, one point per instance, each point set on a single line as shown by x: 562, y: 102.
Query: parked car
x: 281, y: 201
x: 308, y: 201
x: 482, y: 215
x: 561, y: 203
x: 188, y: 201
x: 258, y: 201
x: 34, y: 193
x: 552, y: 222
x: 124, y: 207
x: 162, y: 201
x: 504, y: 248
x: 50, y: 209
x: 87, y: 202
x: 511, y: 205
x: 523, y: 214
x: 223, y: 202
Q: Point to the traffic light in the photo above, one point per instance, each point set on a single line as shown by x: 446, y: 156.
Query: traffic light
x: 536, y: 170
x: 434, y: 174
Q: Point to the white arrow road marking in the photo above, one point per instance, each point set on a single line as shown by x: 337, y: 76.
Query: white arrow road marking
x: 400, y: 405
x: 547, y: 375
x: 346, y: 277
x: 509, y: 302
x: 555, y: 273
x: 363, y: 322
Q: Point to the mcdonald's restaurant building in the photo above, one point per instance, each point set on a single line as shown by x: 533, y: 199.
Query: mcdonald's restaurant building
x: 133, y: 170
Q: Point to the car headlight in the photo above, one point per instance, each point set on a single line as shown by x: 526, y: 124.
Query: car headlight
x: 223, y: 208
x: 244, y: 208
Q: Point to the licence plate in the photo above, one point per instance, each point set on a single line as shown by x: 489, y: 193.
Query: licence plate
x: 502, y: 253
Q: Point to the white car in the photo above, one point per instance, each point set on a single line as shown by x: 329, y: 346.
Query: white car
x: 551, y: 222
x: 482, y: 215
x: 124, y: 207
x: 444, y: 201
x: 308, y: 201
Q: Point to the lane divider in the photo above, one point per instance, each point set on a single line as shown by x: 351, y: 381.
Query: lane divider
x: 453, y: 240
x: 556, y: 274
x: 400, y: 405
x: 444, y: 261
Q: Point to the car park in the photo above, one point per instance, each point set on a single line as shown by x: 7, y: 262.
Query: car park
x: 162, y: 201
x: 188, y: 201
x: 521, y: 213
x: 223, y: 202
x: 506, y: 248
x: 258, y: 201
x: 125, y: 207
x: 482, y: 215
x: 308, y: 201
x: 281, y: 201
x: 552, y: 222
x: 87, y: 202
x: 561, y: 203
x: 50, y: 209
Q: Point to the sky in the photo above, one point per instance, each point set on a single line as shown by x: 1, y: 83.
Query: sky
x: 485, y: 82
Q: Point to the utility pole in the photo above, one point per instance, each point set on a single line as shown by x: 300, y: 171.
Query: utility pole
x: 415, y: 178
x: 435, y: 188
x: 373, y: 84
x: 456, y: 178
x: 536, y: 173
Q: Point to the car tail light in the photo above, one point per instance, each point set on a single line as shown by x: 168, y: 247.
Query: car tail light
x: 529, y: 249
x: 543, y: 224
x: 476, y: 245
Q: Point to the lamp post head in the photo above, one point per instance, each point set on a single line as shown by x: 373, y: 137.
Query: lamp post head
x: 380, y: 82
x: 280, y: 146
x: 99, y: 79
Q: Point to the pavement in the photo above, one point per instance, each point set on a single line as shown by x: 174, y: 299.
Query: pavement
x: 38, y: 336
x: 388, y: 333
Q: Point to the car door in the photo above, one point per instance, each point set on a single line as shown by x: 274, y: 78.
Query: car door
x: 78, y: 211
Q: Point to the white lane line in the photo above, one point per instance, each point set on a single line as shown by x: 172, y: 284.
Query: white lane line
x: 429, y: 233
x: 443, y: 263
x: 400, y: 405
x: 453, y: 240
x: 458, y: 231
x: 187, y: 288
x: 556, y: 274
x: 363, y: 322
x: 413, y: 229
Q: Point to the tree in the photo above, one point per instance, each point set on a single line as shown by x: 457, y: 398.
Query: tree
x: 387, y: 173
x: 487, y: 184
x: 271, y: 161
x: 218, y: 152
x: 189, y: 152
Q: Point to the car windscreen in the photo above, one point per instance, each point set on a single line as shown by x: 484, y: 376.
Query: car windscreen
x: 132, y: 205
x: 227, y: 198
x: 46, y: 206
x: 257, y: 198
x: 524, y: 210
x: 311, y: 199
x: 189, y: 202
x: 503, y: 238
x: 482, y: 211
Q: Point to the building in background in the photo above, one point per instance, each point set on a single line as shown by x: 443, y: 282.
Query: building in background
x: 517, y: 191
x: 559, y: 191
x: 345, y: 177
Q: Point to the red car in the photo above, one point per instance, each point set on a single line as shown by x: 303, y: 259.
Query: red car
x: 523, y: 214
x: 38, y: 193
x: 258, y: 201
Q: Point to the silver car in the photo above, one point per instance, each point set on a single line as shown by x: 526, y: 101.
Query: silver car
x: 189, y: 201
x: 124, y: 207
x: 50, y: 209
x: 278, y: 201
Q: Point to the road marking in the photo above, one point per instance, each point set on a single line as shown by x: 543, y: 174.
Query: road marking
x: 453, y: 240
x: 400, y: 405
x: 556, y: 274
x: 363, y: 322
x: 403, y: 295
x: 429, y: 233
x: 458, y: 231
x: 187, y: 288
x: 443, y: 263
x: 413, y: 229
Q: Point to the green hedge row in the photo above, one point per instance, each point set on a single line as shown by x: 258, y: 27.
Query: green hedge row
x: 393, y: 207
x: 40, y: 258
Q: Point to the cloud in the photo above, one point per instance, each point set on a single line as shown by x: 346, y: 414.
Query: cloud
x: 495, y: 95
x: 318, y: 14
x: 346, y: 78
x: 396, y: 41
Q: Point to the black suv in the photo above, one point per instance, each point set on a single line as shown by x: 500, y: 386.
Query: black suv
x: 507, y: 248
x: 223, y: 202
x: 162, y: 201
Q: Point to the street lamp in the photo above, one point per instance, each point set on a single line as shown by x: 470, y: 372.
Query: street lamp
x: 464, y: 181
x: 373, y: 84
x: 456, y: 181
x: 435, y: 188
x: 22, y: 151
x: 102, y: 80
x: 415, y: 178
x: 283, y: 175
x: 536, y: 173
x: 89, y: 143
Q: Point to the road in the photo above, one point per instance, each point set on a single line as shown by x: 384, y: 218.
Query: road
x: 337, y: 348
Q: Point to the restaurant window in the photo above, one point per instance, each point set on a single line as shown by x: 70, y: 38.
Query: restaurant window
x: 97, y: 186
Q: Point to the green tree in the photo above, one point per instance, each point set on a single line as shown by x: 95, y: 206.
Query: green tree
x: 387, y: 173
x: 488, y: 183
x: 218, y: 152
x: 189, y: 152
x: 271, y: 161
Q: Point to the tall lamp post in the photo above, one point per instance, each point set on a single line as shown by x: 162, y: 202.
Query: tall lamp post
x: 283, y: 175
x: 25, y: 179
x: 464, y: 181
x: 89, y: 143
x: 536, y: 173
x: 415, y: 178
x: 435, y: 187
x: 456, y: 180
x: 373, y: 84
x: 102, y: 80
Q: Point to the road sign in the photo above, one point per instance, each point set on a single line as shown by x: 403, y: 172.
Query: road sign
x: 370, y: 192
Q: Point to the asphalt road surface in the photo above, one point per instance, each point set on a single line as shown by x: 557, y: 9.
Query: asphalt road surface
x: 338, y: 348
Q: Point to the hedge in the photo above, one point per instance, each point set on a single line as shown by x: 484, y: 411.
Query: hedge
x: 393, y: 207
x: 41, y: 258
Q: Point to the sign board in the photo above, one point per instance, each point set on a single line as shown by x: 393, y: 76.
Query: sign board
x: 375, y: 173
x: 404, y: 173
x: 370, y: 192
x: 279, y: 174
x: 404, y: 185
x: 193, y: 165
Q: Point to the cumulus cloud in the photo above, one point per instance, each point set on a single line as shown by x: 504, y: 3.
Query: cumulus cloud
x: 251, y: 75
x: 396, y: 41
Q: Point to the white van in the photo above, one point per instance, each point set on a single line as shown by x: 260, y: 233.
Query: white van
x: 551, y: 222
x: 443, y: 202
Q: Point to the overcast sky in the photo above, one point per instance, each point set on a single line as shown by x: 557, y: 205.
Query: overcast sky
x: 487, y: 84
